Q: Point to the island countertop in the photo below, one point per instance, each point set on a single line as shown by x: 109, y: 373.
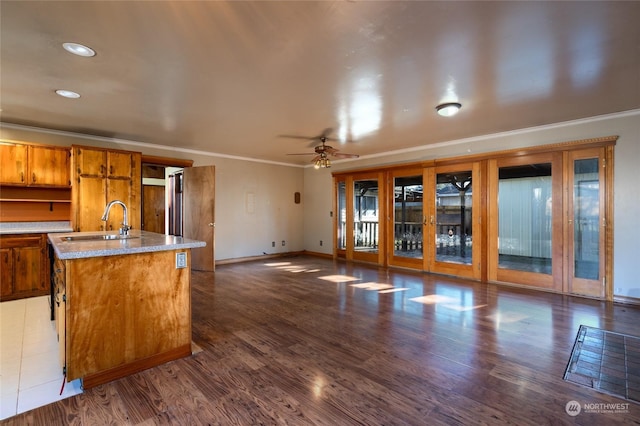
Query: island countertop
x: 137, y: 241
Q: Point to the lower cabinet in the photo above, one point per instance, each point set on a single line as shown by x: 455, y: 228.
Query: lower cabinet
x: 23, y: 266
x: 117, y: 315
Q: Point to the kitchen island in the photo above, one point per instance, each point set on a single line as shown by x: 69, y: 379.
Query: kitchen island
x: 122, y: 303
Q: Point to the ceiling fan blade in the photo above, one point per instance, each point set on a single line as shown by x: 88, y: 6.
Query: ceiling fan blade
x: 304, y: 153
x: 298, y: 137
x: 343, y: 155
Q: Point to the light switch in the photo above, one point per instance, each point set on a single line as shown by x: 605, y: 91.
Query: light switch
x: 181, y: 260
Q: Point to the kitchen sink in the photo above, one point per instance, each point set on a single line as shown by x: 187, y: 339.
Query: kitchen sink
x: 101, y: 237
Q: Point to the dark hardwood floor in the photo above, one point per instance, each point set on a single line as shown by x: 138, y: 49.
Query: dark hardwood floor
x: 292, y: 341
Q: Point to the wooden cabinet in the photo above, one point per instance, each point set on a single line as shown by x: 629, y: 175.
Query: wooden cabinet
x: 13, y: 164
x: 49, y: 166
x: 34, y: 165
x: 115, y: 319
x: 101, y: 176
x: 23, y: 266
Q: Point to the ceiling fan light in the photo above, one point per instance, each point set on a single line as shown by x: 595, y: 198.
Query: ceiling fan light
x: 448, y: 109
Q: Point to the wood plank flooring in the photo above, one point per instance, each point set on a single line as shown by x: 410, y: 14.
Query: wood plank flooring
x: 308, y: 341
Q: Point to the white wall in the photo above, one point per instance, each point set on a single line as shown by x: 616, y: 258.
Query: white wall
x: 276, y: 218
x: 626, y: 193
x: 240, y: 231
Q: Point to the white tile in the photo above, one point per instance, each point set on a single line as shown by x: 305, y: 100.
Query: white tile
x: 10, y: 351
x: 8, y: 405
x: 39, y: 342
x: 30, y: 372
x: 39, y: 369
x: 46, y: 393
x: 9, y: 376
x: 12, y: 308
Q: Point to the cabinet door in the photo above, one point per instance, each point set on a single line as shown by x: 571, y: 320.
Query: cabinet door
x: 49, y: 166
x: 28, y: 269
x: 13, y: 162
x: 6, y: 272
x: 90, y: 202
x: 89, y: 161
x: 23, y: 266
x: 119, y: 164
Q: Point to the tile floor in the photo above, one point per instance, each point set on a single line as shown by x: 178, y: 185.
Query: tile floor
x: 30, y: 374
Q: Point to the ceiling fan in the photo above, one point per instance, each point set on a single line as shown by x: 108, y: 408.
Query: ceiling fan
x: 322, y: 151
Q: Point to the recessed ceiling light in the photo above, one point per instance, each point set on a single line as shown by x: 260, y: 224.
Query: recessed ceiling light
x: 68, y: 94
x: 448, y: 109
x: 79, y: 49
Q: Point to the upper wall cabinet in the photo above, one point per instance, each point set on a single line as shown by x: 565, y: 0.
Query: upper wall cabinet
x: 34, y: 165
x: 101, y: 176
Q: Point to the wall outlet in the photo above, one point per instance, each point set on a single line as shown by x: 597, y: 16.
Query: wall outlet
x: 282, y: 243
x: 321, y: 243
x: 273, y: 243
x: 181, y: 260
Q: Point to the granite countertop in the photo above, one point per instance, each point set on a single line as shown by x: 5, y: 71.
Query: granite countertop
x: 136, y: 242
x: 34, y: 227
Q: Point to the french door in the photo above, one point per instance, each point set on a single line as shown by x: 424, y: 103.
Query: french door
x: 360, y: 226
x: 586, y: 222
x: 405, y: 242
x: 525, y: 220
x: 453, y: 220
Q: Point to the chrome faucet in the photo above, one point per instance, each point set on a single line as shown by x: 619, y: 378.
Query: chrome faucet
x: 124, y: 229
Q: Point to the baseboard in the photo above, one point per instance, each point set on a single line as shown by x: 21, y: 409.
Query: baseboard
x: 92, y: 380
x: 259, y: 257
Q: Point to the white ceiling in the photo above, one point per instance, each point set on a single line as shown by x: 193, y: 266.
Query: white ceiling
x: 234, y: 77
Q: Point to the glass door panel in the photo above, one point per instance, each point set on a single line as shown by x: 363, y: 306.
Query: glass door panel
x: 524, y: 218
x: 366, y: 209
x: 341, y: 237
x: 586, y: 213
x: 454, y: 207
x: 454, y: 214
x: 586, y: 219
x: 406, y: 241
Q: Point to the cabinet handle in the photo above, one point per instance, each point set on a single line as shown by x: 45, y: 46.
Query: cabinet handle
x: 21, y: 176
x: 111, y: 170
x: 33, y: 177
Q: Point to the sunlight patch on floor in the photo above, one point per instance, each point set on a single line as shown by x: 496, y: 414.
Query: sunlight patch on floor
x: 372, y: 286
x: 446, y: 302
x: 291, y: 267
x: 433, y: 298
x: 507, y: 317
x: 394, y: 290
x: 339, y: 278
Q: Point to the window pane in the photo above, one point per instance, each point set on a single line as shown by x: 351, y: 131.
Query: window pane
x: 454, y: 233
x: 586, y: 219
x: 524, y: 218
x: 408, y: 216
x: 365, y: 221
x: 342, y: 216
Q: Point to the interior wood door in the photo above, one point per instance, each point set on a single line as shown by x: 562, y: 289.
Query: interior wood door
x: 198, y: 210
x: 153, y: 208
